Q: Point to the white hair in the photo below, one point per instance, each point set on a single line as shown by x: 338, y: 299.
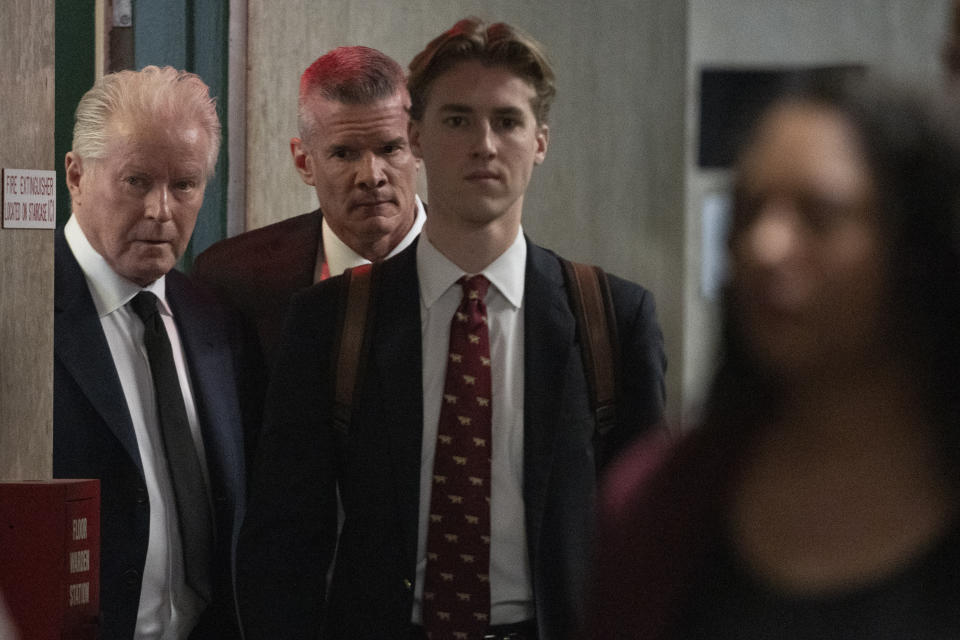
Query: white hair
x: 149, y: 94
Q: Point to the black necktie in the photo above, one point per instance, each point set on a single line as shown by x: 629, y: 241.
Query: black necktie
x: 193, y: 511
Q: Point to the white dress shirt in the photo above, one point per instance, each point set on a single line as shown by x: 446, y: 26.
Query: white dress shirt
x: 340, y: 257
x: 169, y: 608
x: 511, y: 590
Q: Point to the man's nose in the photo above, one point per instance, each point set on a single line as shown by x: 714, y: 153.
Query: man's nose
x: 158, y: 203
x: 371, y: 173
x: 484, y: 145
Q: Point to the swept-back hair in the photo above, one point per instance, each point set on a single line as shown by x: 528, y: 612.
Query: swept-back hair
x: 351, y: 75
x: 146, y: 95
x: 494, y: 45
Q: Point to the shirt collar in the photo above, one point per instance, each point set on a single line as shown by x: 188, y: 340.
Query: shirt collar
x: 340, y: 257
x: 109, y: 290
x: 437, y: 274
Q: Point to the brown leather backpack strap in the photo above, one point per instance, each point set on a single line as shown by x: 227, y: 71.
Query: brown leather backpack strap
x: 352, y: 343
x: 592, y: 304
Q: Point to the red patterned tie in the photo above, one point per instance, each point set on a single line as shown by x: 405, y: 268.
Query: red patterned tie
x: 456, y: 593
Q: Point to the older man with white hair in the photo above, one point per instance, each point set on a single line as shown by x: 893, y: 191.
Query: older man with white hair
x: 144, y: 371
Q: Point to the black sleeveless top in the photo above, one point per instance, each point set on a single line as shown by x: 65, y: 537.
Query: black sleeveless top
x: 920, y: 601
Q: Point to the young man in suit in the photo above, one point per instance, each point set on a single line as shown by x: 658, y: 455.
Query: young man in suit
x: 468, y: 470
x: 144, y: 371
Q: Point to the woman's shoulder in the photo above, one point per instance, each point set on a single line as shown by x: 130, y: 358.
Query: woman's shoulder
x: 665, y: 471
x: 632, y: 471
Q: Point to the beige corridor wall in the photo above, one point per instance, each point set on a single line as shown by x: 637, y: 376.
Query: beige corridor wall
x: 26, y: 255
x: 611, y: 190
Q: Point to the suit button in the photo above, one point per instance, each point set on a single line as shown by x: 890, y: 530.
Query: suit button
x: 407, y: 584
x: 141, y: 496
x: 131, y: 578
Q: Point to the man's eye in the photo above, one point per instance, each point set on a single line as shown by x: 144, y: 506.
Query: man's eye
x: 135, y: 181
x: 341, y: 154
x: 455, y: 121
x: 508, y: 123
x: 185, y: 185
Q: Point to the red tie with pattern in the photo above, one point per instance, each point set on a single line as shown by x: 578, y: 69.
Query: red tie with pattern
x: 456, y: 592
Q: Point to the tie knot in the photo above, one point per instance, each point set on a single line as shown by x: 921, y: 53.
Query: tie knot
x: 474, y: 287
x: 144, y: 304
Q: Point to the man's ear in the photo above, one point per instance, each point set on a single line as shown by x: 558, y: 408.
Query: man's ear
x: 73, y: 166
x: 302, y: 161
x: 543, y: 139
x: 413, y: 135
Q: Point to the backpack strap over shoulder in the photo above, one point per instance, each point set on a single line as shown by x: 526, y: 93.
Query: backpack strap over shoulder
x: 352, y: 343
x: 592, y: 304
x: 590, y: 299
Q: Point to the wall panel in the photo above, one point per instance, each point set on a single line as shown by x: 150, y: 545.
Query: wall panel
x: 26, y: 255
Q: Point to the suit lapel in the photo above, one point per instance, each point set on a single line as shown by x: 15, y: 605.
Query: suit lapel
x: 398, y: 366
x: 549, y: 329
x: 80, y: 345
x: 213, y: 382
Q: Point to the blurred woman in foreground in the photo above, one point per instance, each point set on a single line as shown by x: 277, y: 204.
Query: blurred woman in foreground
x: 820, y: 497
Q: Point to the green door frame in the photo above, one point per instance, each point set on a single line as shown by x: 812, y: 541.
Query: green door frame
x: 192, y: 35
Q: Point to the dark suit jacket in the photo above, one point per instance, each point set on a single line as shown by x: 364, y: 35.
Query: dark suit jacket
x: 290, y: 535
x: 93, y: 437
x: 258, y: 272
